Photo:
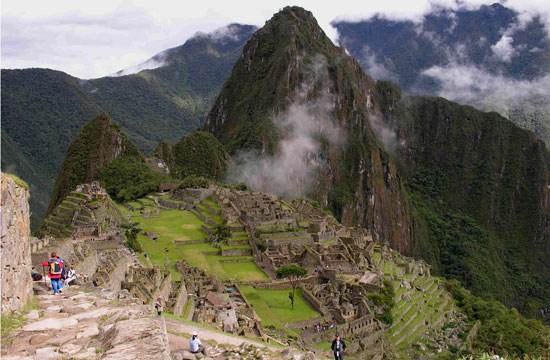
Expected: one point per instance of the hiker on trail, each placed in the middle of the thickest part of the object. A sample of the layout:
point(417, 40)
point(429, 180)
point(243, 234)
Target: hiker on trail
point(158, 305)
point(338, 347)
point(71, 275)
point(63, 274)
point(55, 268)
point(195, 345)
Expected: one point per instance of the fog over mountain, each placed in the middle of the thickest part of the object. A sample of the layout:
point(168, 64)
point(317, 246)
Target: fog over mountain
point(492, 57)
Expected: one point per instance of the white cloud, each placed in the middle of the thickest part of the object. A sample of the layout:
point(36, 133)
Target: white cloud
point(377, 70)
point(470, 84)
point(503, 49)
point(92, 39)
point(156, 61)
point(290, 171)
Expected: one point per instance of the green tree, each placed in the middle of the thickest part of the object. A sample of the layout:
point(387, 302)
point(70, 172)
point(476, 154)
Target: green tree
point(132, 230)
point(293, 273)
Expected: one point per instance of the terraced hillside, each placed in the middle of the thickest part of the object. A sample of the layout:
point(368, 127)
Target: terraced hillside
point(77, 210)
point(190, 234)
point(421, 302)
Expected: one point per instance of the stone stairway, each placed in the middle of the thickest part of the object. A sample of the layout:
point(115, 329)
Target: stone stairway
point(88, 323)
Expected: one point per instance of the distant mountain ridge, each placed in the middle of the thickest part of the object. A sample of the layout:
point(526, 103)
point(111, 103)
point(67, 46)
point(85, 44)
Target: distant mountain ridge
point(43, 109)
point(492, 58)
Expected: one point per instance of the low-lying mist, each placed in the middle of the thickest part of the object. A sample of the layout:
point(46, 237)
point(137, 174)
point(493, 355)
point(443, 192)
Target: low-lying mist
point(304, 125)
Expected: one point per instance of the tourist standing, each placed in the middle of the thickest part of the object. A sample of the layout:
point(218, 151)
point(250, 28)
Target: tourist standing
point(338, 347)
point(55, 269)
point(158, 305)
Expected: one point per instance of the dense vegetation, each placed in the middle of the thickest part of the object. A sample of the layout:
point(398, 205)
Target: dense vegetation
point(127, 179)
point(42, 109)
point(476, 182)
point(502, 330)
point(199, 154)
point(386, 300)
point(97, 144)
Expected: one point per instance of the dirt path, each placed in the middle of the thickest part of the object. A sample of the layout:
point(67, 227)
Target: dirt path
point(180, 342)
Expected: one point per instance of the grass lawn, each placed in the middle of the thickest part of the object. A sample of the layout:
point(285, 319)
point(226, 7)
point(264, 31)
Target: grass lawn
point(273, 306)
point(326, 346)
point(212, 204)
point(177, 225)
point(143, 261)
point(245, 271)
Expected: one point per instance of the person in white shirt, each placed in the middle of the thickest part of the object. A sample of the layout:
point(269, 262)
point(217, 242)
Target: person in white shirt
point(71, 275)
point(195, 345)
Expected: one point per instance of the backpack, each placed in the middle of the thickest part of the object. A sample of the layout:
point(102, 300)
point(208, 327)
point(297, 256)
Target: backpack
point(55, 268)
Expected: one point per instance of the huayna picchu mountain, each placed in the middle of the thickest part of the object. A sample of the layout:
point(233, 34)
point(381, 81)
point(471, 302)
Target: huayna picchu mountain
point(291, 71)
point(43, 109)
point(476, 204)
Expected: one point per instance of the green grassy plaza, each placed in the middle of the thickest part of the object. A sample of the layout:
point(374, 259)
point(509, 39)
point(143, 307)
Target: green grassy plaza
point(182, 226)
point(273, 306)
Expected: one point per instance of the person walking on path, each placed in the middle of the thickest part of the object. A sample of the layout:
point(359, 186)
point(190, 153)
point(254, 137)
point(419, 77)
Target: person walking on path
point(55, 269)
point(338, 347)
point(195, 345)
point(158, 305)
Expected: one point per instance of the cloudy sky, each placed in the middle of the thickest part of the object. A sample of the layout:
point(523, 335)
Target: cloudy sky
point(91, 39)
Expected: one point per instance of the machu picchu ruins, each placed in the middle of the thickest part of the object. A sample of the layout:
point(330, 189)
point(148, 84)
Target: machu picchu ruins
point(249, 235)
point(254, 194)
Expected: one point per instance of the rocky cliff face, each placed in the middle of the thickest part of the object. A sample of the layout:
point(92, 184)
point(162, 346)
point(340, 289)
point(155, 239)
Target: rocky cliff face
point(16, 249)
point(479, 188)
point(304, 109)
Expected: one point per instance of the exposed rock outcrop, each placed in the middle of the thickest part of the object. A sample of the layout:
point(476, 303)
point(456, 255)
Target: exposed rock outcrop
point(89, 323)
point(16, 248)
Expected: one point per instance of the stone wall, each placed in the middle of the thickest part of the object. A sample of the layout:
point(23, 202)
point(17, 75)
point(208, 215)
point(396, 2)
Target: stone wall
point(88, 266)
point(63, 249)
point(313, 301)
point(181, 300)
point(117, 276)
point(105, 244)
point(16, 247)
point(236, 252)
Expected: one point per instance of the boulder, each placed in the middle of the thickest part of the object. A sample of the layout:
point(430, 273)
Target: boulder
point(32, 315)
point(50, 324)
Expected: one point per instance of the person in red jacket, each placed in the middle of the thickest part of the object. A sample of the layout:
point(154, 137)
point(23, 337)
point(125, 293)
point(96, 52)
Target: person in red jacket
point(55, 269)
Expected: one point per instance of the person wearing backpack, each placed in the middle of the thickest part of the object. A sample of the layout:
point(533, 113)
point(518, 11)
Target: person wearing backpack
point(55, 268)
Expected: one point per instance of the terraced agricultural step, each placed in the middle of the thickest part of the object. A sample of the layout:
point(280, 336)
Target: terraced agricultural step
point(235, 242)
point(79, 195)
point(402, 335)
point(426, 283)
point(55, 225)
point(444, 304)
point(239, 234)
point(236, 228)
point(70, 203)
point(56, 219)
point(79, 222)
